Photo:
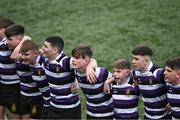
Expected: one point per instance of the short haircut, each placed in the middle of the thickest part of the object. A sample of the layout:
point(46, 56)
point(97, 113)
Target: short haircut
point(14, 30)
point(122, 64)
point(82, 51)
point(142, 50)
point(29, 45)
point(5, 22)
point(173, 63)
point(56, 41)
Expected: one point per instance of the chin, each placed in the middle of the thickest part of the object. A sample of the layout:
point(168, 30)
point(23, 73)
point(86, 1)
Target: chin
point(167, 81)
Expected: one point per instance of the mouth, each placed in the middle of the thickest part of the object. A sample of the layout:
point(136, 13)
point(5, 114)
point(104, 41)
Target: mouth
point(166, 78)
point(74, 65)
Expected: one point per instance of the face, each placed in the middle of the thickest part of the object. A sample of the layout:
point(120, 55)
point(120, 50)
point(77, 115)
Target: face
point(49, 51)
point(79, 62)
point(29, 57)
point(120, 75)
point(171, 76)
point(13, 42)
point(139, 62)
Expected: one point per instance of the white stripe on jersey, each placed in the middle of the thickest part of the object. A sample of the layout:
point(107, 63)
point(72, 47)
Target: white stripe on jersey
point(126, 110)
point(124, 97)
point(57, 75)
point(100, 104)
point(30, 94)
point(38, 78)
point(177, 109)
point(125, 85)
point(46, 98)
point(24, 73)
point(44, 89)
point(100, 114)
point(12, 82)
point(95, 96)
point(9, 77)
point(150, 87)
point(155, 99)
point(80, 74)
point(155, 116)
point(159, 109)
point(29, 84)
point(90, 86)
point(5, 53)
point(65, 106)
point(173, 118)
point(58, 87)
point(173, 96)
point(63, 96)
point(7, 66)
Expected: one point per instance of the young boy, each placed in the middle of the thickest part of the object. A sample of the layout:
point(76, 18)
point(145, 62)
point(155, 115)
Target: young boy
point(31, 99)
point(99, 105)
point(151, 83)
point(125, 95)
point(172, 78)
point(30, 55)
point(10, 84)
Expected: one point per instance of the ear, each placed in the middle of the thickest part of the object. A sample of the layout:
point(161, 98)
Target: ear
point(146, 58)
point(18, 37)
point(128, 72)
point(87, 59)
point(178, 74)
point(56, 50)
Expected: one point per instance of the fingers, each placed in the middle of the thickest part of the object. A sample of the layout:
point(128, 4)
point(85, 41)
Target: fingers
point(74, 88)
point(92, 78)
point(106, 89)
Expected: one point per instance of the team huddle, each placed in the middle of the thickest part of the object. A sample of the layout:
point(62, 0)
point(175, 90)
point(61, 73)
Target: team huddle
point(43, 83)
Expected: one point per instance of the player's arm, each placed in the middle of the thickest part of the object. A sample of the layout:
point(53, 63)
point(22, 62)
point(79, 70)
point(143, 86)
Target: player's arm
point(74, 87)
point(91, 77)
point(107, 83)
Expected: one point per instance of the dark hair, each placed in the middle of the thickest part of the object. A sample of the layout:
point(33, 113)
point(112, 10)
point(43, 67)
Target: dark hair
point(56, 41)
point(122, 64)
point(142, 50)
point(5, 22)
point(14, 30)
point(29, 45)
point(82, 51)
point(173, 63)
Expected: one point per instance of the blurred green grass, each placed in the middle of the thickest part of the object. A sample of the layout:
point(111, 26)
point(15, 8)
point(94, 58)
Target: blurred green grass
point(111, 27)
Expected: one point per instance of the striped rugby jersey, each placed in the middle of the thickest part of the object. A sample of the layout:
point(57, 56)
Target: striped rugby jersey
point(7, 66)
point(27, 84)
point(174, 100)
point(60, 77)
point(125, 100)
point(38, 75)
point(98, 103)
point(153, 91)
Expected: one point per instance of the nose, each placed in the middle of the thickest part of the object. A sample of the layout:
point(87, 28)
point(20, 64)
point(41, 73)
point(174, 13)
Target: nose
point(114, 74)
point(165, 72)
point(73, 59)
point(133, 61)
point(22, 56)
